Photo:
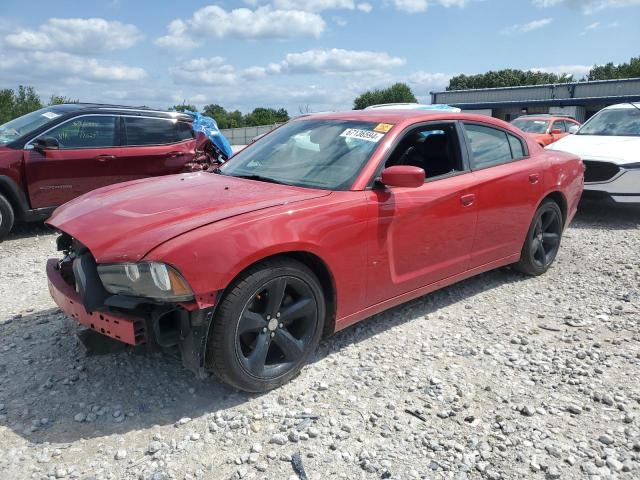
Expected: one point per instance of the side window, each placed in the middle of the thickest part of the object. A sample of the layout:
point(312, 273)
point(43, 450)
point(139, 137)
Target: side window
point(434, 148)
point(559, 125)
point(517, 150)
point(95, 131)
point(151, 131)
point(184, 131)
point(572, 127)
point(489, 146)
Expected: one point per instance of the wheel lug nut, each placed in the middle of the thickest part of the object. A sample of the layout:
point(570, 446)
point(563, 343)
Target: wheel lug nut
point(273, 334)
point(264, 330)
point(268, 317)
point(281, 325)
point(278, 315)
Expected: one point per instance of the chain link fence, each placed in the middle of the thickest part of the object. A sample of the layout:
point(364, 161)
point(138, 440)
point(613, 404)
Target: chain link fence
point(244, 135)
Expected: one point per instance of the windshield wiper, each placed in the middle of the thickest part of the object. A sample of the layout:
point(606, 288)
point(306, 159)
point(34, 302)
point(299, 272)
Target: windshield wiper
point(260, 178)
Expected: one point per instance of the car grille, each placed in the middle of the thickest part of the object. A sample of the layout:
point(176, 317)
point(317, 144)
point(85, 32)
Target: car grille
point(599, 171)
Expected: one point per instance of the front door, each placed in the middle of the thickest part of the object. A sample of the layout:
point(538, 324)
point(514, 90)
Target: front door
point(84, 160)
point(419, 236)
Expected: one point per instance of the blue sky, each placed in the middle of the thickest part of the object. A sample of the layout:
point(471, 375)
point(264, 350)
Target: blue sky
point(316, 54)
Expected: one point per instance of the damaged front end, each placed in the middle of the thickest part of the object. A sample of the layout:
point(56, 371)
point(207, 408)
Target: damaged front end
point(145, 304)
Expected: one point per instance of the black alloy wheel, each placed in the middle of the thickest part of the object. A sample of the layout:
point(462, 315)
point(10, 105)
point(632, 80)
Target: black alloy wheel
point(543, 240)
point(267, 325)
point(276, 326)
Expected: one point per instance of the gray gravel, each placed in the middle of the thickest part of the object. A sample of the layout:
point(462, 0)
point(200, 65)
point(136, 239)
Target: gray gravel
point(498, 377)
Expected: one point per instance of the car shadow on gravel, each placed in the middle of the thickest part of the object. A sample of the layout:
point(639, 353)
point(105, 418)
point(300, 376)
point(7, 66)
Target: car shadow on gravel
point(608, 215)
point(25, 230)
point(53, 391)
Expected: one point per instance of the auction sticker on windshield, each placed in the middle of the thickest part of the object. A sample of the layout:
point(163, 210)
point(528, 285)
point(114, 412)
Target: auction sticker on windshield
point(367, 135)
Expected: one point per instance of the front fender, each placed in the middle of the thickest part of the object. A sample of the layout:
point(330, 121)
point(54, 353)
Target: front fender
point(212, 256)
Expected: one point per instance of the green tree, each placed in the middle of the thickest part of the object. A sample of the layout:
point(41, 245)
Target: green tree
point(265, 116)
point(60, 99)
point(506, 78)
point(396, 93)
point(17, 103)
point(610, 71)
point(184, 107)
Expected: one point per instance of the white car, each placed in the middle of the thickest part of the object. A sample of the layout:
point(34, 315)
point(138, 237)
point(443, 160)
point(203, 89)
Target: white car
point(609, 144)
point(413, 106)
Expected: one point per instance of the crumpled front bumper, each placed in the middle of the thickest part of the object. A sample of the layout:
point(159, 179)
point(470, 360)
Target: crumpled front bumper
point(130, 330)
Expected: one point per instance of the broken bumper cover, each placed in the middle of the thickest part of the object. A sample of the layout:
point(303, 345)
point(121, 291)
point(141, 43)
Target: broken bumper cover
point(129, 330)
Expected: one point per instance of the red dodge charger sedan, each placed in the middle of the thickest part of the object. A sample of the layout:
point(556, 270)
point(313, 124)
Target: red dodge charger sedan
point(323, 222)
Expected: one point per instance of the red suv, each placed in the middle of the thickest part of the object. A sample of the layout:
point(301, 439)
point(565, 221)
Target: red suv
point(57, 153)
point(546, 129)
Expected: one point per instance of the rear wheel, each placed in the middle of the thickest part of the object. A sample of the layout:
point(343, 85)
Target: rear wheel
point(543, 240)
point(267, 325)
point(6, 217)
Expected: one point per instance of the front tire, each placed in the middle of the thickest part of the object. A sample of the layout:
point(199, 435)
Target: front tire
point(267, 325)
point(543, 240)
point(6, 217)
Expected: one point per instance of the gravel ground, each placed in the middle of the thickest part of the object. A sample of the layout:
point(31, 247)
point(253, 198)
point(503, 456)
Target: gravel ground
point(505, 377)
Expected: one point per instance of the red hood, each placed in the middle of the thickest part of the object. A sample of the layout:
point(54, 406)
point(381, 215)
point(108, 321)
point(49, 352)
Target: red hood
point(124, 222)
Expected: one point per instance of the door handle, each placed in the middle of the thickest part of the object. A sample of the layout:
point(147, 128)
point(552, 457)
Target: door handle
point(104, 158)
point(468, 200)
point(534, 178)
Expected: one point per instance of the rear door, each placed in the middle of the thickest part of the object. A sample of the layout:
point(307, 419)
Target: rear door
point(154, 146)
point(84, 161)
point(508, 181)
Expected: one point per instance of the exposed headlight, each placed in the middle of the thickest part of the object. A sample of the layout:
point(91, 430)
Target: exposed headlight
point(146, 279)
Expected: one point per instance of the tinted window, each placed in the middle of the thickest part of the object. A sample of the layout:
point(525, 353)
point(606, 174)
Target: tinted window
point(488, 145)
point(434, 148)
point(154, 131)
point(517, 150)
point(86, 132)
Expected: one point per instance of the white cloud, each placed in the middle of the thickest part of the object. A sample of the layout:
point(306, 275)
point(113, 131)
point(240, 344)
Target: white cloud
point(578, 71)
point(66, 67)
point(411, 6)
point(314, 5)
point(337, 60)
point(587, 6)
point(527, 27)
point(416, 6)
point(204, 71)
point(264, 22)
point(365, 7)
point(426, 80)
point(76, 35)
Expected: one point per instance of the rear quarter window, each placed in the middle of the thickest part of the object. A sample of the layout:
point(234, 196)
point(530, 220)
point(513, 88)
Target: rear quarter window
point(489, 146)
point(154, 131)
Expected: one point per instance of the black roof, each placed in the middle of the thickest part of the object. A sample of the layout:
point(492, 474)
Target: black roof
point(111, 108)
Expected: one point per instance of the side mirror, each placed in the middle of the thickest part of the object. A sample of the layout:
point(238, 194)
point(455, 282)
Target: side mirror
point(402, 176)
point(45, 143)
point(556, 131)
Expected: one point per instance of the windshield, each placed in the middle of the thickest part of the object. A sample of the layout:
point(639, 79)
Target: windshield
point(531, 126)
point(326, 154)
point(624, 122)
point(26, 124)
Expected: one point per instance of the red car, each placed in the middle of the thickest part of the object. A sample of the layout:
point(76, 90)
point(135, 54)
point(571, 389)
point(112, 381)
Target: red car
point(55, 154)
point(546, 129)
point(321, 223)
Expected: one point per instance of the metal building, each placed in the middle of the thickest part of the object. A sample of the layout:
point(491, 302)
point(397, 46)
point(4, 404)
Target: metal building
point(579, 99)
